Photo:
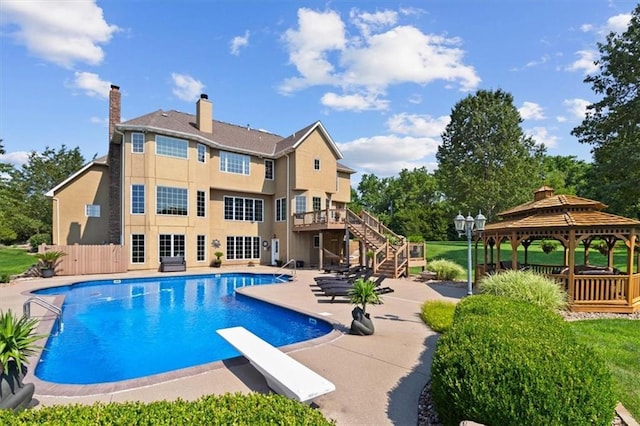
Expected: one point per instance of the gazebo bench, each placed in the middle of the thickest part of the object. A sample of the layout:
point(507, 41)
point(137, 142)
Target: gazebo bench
point(172, 264)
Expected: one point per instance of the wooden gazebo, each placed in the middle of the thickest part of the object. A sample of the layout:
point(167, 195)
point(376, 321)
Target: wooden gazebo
point(570, 220)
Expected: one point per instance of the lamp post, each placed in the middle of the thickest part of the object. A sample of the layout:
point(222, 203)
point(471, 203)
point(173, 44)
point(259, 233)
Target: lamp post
point(465, 225)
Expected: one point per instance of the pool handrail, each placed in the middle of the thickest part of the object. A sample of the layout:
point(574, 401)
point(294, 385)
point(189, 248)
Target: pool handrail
point(26, 309)
point(282, 274)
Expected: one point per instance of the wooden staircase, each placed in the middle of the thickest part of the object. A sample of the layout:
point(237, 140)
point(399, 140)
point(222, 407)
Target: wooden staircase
point(391, 251)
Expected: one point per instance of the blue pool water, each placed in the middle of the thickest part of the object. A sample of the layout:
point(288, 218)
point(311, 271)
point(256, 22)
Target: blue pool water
point(130, 328)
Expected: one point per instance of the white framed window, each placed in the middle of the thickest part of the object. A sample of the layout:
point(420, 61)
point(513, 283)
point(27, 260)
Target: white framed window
point(92, 210)
point(316, 164)
point(171, 245)
point(201, 248)
point(137, 199)
point(201, 204)
point(281, 209)
point(171, 201)
point(202, 153)
point(172, 147)
point(137, 248)
point(301, 203)
point(137, 143)
point(316, 203)
point(268, 169)
point(243, 247)
point(231, 162)
point(243, 209)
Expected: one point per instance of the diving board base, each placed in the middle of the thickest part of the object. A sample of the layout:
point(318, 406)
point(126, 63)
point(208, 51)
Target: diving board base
point(283, 374)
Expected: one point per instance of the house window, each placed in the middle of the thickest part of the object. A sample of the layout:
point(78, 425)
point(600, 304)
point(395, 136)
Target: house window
point(200, 204)
point(172, 147)
point(268, 169)
point(137, 199)
point(243, 209)
point(202, 153)
point(243, 247)
point(317, 202)
point(171, 245)
point(137, 143)
point(281, 209)
point(92, 210)
point(171, 201)
point(316, 241)
point(137, 248)
point(234, 163)
point(301, 203)
point(316, 164)
point(201, 248)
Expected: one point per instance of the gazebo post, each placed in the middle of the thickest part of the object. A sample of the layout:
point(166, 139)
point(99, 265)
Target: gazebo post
point(571, 263)
point(514, 251)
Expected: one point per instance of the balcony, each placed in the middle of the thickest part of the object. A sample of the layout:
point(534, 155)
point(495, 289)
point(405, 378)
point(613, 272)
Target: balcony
point(320, 220)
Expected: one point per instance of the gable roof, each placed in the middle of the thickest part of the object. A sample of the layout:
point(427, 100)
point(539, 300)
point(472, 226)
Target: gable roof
point(225, 136)
point(100, 161)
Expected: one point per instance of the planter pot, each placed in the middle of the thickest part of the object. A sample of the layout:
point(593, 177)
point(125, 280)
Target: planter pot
point(47, 272)
point(361, 324)
point(216, 263)
point(14, 394)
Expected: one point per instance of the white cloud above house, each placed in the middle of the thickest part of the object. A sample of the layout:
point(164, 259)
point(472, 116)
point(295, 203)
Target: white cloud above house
point(16, 158)
point(577, 108)
point(366, 54)
point(90, 84)
point(186, 87)
point(62, 32)
point(541, 135)
point(239, 42)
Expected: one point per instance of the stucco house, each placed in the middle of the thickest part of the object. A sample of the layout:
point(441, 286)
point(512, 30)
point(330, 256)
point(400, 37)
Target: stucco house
point(175, 183)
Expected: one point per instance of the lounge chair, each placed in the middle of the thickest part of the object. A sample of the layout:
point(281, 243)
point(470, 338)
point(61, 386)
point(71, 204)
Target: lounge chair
point(347, 274)
point(345, 290)
point(367, 274)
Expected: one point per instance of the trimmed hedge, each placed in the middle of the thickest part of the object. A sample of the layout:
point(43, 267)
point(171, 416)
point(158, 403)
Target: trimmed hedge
point(227, 409)
point(506, 362)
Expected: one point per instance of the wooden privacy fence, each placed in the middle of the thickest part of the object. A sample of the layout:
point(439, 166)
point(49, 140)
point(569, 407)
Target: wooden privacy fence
point(89, 259)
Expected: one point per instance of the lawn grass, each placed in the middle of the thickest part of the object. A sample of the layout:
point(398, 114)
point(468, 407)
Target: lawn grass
point(456, 251)
point(618, 341)
point(14, 261)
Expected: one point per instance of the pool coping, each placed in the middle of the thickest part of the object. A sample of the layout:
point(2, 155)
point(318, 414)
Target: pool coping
point(51, 389)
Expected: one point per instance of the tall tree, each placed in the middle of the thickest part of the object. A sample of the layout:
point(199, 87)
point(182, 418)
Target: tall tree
point(485, 161)
point(567, 175)
point(612, 125)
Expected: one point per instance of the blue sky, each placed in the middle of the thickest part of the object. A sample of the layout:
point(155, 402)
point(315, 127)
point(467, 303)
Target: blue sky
point(382, 76)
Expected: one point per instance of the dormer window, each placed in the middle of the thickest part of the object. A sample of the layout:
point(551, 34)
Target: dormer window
point(316, 164)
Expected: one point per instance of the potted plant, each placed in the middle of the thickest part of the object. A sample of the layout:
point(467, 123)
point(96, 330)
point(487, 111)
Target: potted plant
point(547, 246)
point(48, 262)
point(17, 344)
point(370, 254)
point(362, 293)
point(218, 260)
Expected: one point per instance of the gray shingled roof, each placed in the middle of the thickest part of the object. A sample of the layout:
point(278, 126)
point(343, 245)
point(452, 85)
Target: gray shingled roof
point(225, 135)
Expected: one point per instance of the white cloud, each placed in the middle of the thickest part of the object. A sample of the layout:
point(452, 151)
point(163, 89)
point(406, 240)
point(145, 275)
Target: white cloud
point(617, 23)
point(561, 119)
point(239, 42)
point(62, 32)
point(585, 62)
point(186, 87)
point(354, 102)
point(387, 155)
point(418, 125)
point(375, 55)
point(101, 121)
point(577, 107)
point(531, 111)
point(542, 136)
point(91, 84)
point(17, 158)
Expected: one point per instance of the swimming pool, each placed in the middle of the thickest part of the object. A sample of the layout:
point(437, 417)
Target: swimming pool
point(123, 329)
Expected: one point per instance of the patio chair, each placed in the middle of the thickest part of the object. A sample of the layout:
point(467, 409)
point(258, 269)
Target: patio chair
point(345, 290)
point(366, 274)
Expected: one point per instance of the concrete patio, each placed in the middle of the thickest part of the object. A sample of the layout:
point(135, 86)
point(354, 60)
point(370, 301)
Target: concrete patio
point(378, 378)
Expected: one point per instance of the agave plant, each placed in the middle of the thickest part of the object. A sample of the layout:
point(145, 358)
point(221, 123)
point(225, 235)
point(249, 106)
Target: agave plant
point(48, 259)
point(17, 339)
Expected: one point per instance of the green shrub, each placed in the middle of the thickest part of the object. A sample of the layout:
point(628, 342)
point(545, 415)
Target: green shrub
point(507, 362)
point(39, 239)
point(438, 314)
point(526, 286)
point(225, 409)
point(446, 270)
point(5, 278)
point(415, 238)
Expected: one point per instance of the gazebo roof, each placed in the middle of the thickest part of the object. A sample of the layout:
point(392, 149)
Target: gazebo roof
point(559, 211)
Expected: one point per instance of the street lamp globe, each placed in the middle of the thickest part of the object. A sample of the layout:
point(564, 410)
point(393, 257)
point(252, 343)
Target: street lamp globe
point(465, 226)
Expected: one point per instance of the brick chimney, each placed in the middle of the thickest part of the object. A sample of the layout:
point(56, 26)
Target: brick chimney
point(115, 107)
point(204, 114)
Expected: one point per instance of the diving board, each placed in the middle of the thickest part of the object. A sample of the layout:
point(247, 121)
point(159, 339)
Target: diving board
point(283, 374)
